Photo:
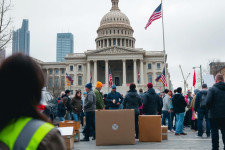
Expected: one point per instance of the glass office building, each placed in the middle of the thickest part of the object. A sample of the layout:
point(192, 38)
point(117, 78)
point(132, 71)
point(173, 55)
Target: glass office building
point(21, 39)
point(64, 46)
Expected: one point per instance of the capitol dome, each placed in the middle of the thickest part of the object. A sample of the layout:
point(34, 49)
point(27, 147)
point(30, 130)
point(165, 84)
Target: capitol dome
point(115, 29)
point(115, 16)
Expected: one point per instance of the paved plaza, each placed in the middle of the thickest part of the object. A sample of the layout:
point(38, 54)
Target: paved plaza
point(189, 142)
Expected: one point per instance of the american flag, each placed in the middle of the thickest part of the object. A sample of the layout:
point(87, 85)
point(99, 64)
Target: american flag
point(162, 78)
point(156, 15)
point(69, 78)
point(110, 79)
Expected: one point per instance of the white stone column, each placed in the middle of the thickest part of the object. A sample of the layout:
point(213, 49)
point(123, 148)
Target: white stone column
point(88, 71)
point(75, 75)
point(154, 76)
point(53, 77)
point(120, 42)
point(59, 82)
point(124, 73)
point(106, 73)
point(112, 42)
point(142, 72)
point(47, 78)
point(107, 42)
point(95, 72)
point(135, 71)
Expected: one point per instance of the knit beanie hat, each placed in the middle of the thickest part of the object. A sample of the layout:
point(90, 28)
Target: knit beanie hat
point(150, 85)
point(98, 84)
point(89, 85)
point(114, 86)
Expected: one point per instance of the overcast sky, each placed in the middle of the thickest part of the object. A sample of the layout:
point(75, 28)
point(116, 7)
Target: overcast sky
point(194, 29)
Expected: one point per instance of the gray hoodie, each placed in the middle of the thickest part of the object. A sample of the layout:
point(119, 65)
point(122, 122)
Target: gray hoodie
point(90, 102)
point(166, 103)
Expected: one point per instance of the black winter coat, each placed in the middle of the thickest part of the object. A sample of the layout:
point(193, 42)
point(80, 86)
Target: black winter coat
point(132, 101)
point(215, 101)
point(61, 111)
point(68, 103)
point(198, 101)
point(179, 103)
point(151, 103)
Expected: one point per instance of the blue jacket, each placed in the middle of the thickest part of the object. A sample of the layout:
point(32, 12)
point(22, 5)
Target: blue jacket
point(117, 96)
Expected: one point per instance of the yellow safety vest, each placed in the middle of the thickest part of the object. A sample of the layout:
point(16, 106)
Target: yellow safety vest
point(35, 130)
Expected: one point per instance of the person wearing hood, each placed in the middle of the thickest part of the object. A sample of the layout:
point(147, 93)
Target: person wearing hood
point(215, 102)
point(194, 117)
point(179, 105)
point(151, 102)
point(133, 101)
point(200, 107)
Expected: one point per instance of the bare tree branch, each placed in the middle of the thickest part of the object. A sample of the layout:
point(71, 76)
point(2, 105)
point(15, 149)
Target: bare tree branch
point(5, 24)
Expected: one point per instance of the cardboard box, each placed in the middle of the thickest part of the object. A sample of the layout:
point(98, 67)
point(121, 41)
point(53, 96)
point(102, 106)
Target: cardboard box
point(68, 136)
point(115, 127)
point(150, 128)
point(70, 123)
point(164, 133)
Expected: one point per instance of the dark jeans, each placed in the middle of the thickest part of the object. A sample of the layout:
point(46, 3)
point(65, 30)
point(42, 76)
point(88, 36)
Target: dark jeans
point(82, 118)
point(173, 117)
point(90, 124)
point(216, 124)
point(203, 113)
point(167, 115)
point(136, 126)
point(187, 118)
point(194, 124)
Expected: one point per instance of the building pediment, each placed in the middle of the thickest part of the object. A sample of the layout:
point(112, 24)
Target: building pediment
point(115, 51)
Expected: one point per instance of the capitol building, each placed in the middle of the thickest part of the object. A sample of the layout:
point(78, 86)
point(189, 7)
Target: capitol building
point(115, 52)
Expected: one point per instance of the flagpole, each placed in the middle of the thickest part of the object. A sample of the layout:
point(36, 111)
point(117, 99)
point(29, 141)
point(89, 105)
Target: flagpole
point(164, 49)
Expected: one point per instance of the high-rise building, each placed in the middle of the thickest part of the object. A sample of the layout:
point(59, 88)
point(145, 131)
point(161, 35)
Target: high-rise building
point(64, 46)
point(21, 39)
point(2, 55)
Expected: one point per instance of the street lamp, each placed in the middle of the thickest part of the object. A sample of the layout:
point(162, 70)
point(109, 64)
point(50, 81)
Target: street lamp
point(200, 72)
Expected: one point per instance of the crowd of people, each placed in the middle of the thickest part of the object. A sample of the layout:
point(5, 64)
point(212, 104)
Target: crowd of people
point(202, 111)
point(199, 111)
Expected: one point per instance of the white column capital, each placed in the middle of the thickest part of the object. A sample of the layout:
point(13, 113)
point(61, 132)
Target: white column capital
point(134, 60)
point(124, 60)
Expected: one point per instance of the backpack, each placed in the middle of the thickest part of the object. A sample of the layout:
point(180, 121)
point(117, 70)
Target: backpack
point(203, 101)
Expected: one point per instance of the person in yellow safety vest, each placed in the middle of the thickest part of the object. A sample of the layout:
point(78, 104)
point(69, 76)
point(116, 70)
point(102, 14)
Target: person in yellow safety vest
point(22, 126)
